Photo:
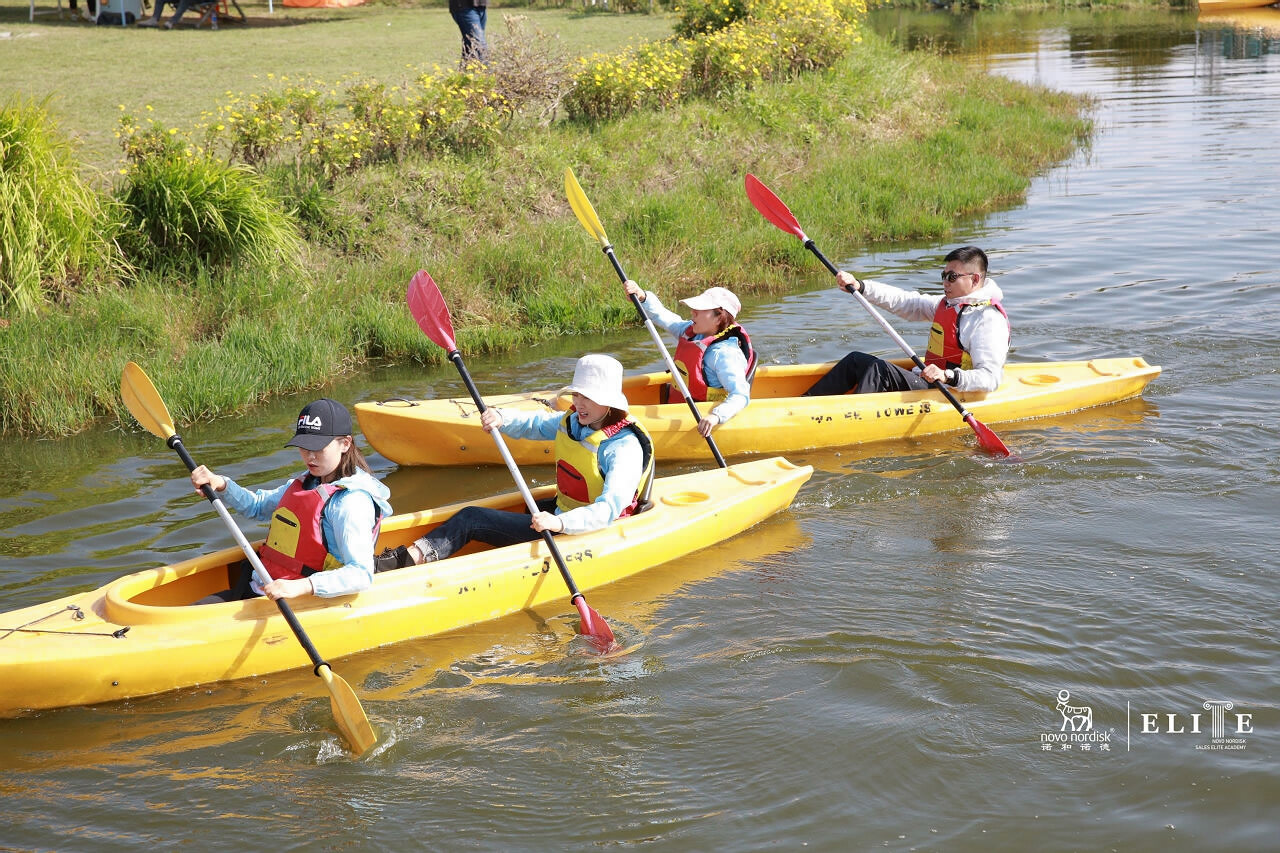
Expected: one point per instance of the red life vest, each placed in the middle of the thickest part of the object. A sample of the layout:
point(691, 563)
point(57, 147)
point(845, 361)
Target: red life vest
point(295, 546)
point(579, 481)
point(945, 349)
point(689, 357)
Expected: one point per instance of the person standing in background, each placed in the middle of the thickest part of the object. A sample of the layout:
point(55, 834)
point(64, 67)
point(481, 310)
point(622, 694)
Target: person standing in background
point(469, 15)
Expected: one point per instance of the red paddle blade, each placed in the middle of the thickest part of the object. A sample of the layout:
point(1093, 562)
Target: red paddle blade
point(772, 208)
point(987, 439)
point(427, 306)
point(593, 626)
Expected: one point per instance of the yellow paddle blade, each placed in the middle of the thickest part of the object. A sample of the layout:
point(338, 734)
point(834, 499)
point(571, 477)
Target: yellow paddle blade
point(144, 402)
point(582, 207)
point(347, 711)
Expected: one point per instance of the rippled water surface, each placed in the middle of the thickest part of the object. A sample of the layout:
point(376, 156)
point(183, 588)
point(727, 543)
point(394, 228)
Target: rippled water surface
point(876, 668)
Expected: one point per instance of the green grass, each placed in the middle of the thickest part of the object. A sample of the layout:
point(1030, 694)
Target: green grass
point(883, 147)
point(48, 232)
point(89, 72)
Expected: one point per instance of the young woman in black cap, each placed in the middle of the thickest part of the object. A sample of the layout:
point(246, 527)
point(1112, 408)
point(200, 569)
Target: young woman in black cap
point(324, 522)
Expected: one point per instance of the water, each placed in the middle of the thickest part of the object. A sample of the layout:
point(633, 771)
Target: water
point(877, 668)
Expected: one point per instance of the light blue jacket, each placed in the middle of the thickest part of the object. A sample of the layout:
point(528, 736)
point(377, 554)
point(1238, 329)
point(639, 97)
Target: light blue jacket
point(347, 524)
point(723, 364)
point(621, 462)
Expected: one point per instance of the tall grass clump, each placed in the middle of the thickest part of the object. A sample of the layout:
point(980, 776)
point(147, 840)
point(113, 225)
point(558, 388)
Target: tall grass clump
point(185, 210)
point(54, 229)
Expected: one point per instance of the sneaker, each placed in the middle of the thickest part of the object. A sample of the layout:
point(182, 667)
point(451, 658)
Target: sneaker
point(392, 558)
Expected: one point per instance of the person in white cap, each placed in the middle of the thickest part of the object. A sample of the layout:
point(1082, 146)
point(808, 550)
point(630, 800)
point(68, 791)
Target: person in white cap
point(604, 470)
point(713, 352)
point(324, 522)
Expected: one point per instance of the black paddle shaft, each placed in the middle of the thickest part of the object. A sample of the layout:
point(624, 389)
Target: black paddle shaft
point(547, 536)
point(946, 392)
point(285, 610)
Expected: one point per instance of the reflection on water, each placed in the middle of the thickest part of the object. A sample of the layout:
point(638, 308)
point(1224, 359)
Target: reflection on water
point(875, 667)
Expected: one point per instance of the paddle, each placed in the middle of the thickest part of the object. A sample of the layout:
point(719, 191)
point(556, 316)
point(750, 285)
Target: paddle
point(587, 216)
point(426, 304)
point(780, 215)
point(144, 402)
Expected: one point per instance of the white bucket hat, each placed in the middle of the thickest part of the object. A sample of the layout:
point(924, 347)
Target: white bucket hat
point(599, 379)
point(715, 297)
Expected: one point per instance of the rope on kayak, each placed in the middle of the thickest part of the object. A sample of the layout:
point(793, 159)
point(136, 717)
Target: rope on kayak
point(76, 613)
point(466, 408)
point(118, 633)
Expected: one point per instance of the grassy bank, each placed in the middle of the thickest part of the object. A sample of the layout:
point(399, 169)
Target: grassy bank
point(882, 147)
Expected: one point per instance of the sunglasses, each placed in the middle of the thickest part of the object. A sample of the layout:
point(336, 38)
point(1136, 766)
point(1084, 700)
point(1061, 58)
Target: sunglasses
point(949, 276)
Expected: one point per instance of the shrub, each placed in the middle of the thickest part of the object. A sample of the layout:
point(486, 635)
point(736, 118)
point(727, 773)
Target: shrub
point(651, 76)
point(731, 45)
point(54, 229)
point(733, 58)
point(461, 111)
point(185, 209)
point(698, 17)
point(530, 68)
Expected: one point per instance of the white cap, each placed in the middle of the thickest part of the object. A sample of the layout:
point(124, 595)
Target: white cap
point(715, 297)
point(599, 379)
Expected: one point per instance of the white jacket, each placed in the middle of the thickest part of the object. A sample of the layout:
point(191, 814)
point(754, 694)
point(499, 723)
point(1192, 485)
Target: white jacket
point(983, 330)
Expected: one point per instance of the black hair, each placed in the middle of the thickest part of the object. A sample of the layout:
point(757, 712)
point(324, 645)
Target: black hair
point(968, 255)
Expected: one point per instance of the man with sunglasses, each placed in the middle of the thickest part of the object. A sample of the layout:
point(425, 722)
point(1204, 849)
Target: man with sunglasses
point(968, 342)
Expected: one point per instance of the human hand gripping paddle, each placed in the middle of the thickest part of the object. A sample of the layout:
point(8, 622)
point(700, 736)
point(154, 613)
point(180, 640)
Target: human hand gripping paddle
point(772, 208)
point(426, 304)
point(587, 216)
point(146, 405)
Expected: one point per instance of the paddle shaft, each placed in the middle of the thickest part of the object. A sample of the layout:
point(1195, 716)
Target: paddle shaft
point(666, 356)
point(892, 332)
point(574, 593)
point(259, 570)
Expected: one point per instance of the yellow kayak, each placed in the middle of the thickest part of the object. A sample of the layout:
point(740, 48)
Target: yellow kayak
point(447, 431)
point(1232, 5)
point(1266, 20)
point(139, 635)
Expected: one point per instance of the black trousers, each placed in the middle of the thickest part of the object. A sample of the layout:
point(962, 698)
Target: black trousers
point(865, 374)
point(238, 574)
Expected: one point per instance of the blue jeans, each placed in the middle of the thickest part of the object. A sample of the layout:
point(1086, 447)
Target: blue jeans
point(470, 23)
point(496, 527)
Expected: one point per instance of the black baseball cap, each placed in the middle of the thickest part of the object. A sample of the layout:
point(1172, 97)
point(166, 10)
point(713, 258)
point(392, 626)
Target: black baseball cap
point(320, 423)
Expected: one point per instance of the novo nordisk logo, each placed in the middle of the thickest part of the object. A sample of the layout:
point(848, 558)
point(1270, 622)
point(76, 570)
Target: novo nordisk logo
point(1076, 731)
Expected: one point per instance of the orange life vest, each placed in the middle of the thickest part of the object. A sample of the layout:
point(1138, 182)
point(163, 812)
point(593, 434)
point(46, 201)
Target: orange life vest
point(945, 349)
point(689, 357)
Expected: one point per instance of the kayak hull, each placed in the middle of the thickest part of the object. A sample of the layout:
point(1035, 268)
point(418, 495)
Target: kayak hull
point(447, 432)
point(139, 635)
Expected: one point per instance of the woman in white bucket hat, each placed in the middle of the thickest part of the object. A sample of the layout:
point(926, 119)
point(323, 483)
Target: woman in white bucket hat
point(604, 469)
point(713, 352)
